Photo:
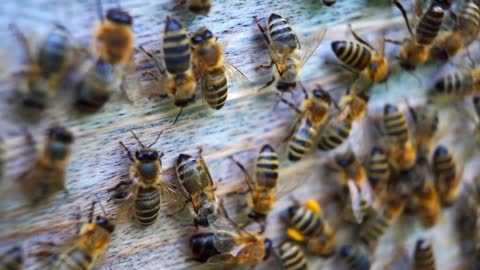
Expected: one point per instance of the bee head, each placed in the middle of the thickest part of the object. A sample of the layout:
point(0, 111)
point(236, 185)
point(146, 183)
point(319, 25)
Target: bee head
point(345, 159)
point(119, 16)
point(60, 134)
point(201, 35)
point(146, 155)
point(105, 223)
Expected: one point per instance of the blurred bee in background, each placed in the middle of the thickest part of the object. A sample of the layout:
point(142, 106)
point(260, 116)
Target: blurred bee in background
point(447, 178)
point(292, 256)
point(329, 3)
point(445, 4)
point(458, 84)
point(47, 176)
point(354, 258)
point(46, 69)
point(416, 50)
point(197, 186)
point(361, 58)
point(87, 249)
point(467, 218)
point(312, 115)
point(286, 52)
point(378, 169)
point(12, 259)
point(145, 183)
point(212, 68)
point(465, 31)
point(307, 225)
point(423, 256)
point(336, 131)
point(229, 244)
point(199, 6)
point(429, 204)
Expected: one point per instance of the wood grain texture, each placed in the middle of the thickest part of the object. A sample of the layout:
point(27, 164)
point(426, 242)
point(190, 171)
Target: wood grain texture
point(247, 121)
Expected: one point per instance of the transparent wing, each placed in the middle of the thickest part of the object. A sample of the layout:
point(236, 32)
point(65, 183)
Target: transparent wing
point(236, 77)
point(288, 182)
point(278, 54)
point(311, 44)
point(355, 200)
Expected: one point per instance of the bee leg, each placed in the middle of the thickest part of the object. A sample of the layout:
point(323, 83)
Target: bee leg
point(154, 59)
point(262, 30)
point(393, 41)
point(267, 84)
point(23, 40)
point(290, 104)
point(264, 66)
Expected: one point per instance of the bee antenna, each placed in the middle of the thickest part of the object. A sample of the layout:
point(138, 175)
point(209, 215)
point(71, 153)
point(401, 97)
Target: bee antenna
point(156, 140)
point(101, 206)
point(100, 10)
point(404, 14)
point(178, 115)
point(92, 211)
point(136, 138)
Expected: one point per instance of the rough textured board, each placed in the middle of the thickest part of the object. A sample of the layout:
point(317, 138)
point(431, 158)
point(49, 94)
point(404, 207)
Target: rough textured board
point(240, 128)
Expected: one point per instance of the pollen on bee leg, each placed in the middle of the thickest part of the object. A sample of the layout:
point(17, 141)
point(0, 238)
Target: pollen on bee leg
point(294, 234)
point(313, 206)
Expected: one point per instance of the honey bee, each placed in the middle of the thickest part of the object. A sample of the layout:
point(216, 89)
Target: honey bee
point(287, 54)
point(416, 50)
point(362, 58)
point(424, 258)
point(199, 6)
point(307, 225)
point(329, 3)
point(313, 113)
point(336, 131)
point(447, 179)
point(47, 176)
point(350, 168)
point(88, 247)
point(359, 206)
point(356, 102)
point(402, 152)
point(46, 69)
point(458, 84)
point(378, 169)
point(197, 186)
point(354, 258)
point(229, 244)
point(429, 204)
point(292, 256)
point(465, 31)
point(113, 37)
point(145, 183)
point(12, 259)
point(378, 225)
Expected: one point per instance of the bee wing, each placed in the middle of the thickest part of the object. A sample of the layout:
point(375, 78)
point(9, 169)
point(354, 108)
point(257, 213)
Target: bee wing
point(222, 259)
point(236, 77)
point(278, 54)
point(288, 184)
point(355, 200)
point(30, 181)
point(311, 45)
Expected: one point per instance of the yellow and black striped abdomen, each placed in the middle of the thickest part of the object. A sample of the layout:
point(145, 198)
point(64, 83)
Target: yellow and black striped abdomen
point(302, 140)
point(353, 54)
point(424, 258)
point(443, 163)
point(455, 84)
point(74, 259)
point(395, 124)
point(11, 259)
point(378, 169)
point(305, 221)
point(176, 47)
point(292, 256)
point(429, 25)
point(469, 18)
point(266, 170)
point(375, 228)
point(335, 134)
point(216, 90)
point(147, 205)
point(280, 32)
point(354, 259)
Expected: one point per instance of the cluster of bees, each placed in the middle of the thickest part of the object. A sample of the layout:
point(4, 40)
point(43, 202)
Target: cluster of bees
point(401, 174)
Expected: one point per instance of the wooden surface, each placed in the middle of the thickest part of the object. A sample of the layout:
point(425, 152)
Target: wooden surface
point(247, 121)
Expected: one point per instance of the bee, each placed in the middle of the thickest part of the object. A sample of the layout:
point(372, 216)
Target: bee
point(447, 179)
point(47, 176)
point(114, 37)
point(336, 131)
point(350, 168)
point(88, 246)
point(329, 3)
point(465, 31)
point(313, 113)
point(423, 256)
point(403, 153)
point(416, 50)
point(287, 54)
point(307, 225)
point(356, 102)
point(355, 259)
point(429, 204)
point(292, 256)
point(45, 70)
point(197, 186)
point(362, 58)
point(199, 6)
point(229, 244)
point(359, 206)
point(458, 84)
point(378, 169)
point(377, 226)
point(12, 259)
point(145, 183)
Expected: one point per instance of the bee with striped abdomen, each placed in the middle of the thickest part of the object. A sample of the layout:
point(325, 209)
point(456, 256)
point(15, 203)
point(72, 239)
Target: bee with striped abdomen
point(362, 58)
point(378, 169)
point(313, 113)
point(46, 69)
point(336, 131)
point(292, 256)
point(307, 225)
point(146, 183)
point(447, 178)
point(12, 259)
point(458, 84)
point(424, 258)
point(197, 186)
point(356, 102)
point(47, 176)
point(354, 258)
point(287, 54)
point(416, 49)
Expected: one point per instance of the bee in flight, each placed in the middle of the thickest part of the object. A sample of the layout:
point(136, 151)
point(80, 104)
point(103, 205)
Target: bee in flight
point(87, 249)
point(229, 244)
point(287, 54)
point(12, 259)
point(145, 184)
point(197, 186)
point(46, 69)
point(47, 176)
